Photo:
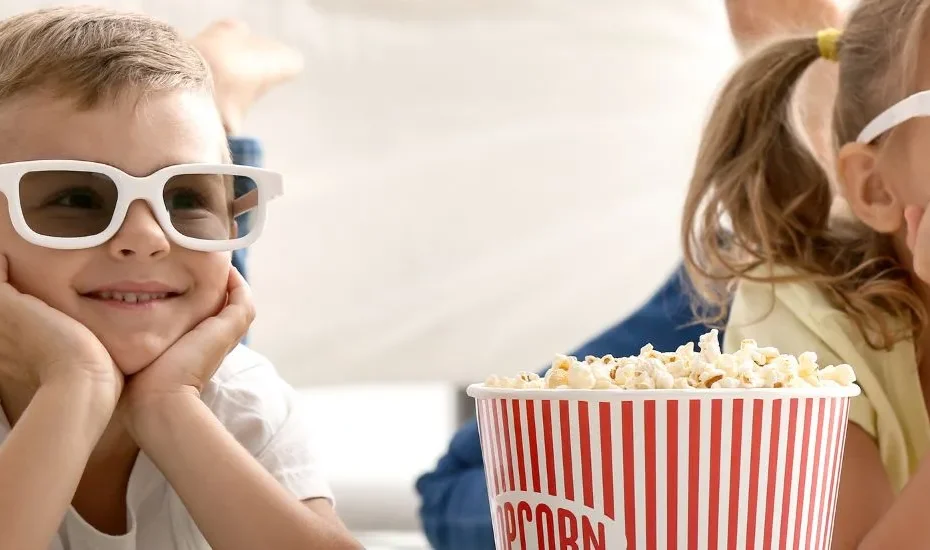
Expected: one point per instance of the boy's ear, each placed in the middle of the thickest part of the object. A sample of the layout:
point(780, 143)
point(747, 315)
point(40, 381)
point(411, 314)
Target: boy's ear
point(867, 190)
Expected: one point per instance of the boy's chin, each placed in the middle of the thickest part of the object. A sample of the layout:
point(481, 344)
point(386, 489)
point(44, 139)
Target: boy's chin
point(135, 354)
point(132, 365)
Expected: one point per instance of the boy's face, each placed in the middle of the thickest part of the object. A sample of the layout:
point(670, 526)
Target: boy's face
point(139, 138)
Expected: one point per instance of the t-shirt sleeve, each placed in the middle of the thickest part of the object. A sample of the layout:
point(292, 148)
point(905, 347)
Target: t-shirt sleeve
point(264, 413)
point(759, 314)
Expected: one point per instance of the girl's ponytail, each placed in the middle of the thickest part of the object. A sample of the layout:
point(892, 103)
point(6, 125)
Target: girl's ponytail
point(759, 197)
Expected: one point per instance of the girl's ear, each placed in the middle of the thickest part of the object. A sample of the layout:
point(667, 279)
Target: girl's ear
point(867, 190)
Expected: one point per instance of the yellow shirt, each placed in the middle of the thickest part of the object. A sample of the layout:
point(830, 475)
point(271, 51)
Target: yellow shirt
point(796, 317)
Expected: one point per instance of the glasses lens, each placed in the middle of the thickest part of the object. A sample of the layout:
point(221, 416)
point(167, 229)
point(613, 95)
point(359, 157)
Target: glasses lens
point(211, 207)
point(67, 203)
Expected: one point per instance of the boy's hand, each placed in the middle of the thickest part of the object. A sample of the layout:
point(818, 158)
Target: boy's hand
point(39, 344)
point(185, 367)
point(244, 67)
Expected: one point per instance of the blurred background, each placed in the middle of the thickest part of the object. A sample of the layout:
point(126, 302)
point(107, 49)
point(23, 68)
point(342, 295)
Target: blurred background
point(471, 187)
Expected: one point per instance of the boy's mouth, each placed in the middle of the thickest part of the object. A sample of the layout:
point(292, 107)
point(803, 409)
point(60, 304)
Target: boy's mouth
point(133, 293)
point(131, 297)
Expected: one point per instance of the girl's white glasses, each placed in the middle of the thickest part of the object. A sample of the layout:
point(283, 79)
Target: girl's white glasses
point(70, 204)
point(916, 105)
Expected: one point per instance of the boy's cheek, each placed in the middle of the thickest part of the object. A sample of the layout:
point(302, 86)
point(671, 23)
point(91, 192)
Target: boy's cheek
point(7, 233)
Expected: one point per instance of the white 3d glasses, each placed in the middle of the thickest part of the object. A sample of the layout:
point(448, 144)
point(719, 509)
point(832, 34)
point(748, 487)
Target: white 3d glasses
point(917, 105)
point(69, 204)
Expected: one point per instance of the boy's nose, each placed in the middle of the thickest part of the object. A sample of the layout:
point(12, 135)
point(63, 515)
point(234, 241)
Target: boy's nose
point(140, 237)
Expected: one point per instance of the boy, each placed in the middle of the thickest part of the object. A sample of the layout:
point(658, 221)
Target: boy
point(119, 367)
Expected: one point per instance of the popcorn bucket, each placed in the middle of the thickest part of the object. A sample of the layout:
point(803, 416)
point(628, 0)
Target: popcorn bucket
point(738, 469)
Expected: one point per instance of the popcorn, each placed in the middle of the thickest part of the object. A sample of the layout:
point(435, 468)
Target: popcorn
point(842, 375)
point(643, 381)
point(771, 353)
point(624, 375)
point(664, 380)
point(562, 362)
point(708, 368)
point(580, 376)
point(807, 364)
point(707, 378)
point(773, 376)
point(709, 344)
point(555, 377)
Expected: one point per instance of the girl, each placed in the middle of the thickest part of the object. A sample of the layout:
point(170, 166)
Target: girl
point(834, 260)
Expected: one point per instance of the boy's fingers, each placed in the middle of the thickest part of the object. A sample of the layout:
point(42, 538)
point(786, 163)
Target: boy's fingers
point(223, 331)
point(4, 269)
point(240, 310)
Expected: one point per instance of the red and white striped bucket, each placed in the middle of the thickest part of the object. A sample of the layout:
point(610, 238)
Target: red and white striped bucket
point(655, 469)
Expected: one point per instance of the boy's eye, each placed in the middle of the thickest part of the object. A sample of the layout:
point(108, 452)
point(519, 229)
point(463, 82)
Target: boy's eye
point(84, 199)
point(183, 200)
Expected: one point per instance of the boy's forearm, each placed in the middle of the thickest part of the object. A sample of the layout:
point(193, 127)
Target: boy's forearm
point(234, 501)
point(43, 459)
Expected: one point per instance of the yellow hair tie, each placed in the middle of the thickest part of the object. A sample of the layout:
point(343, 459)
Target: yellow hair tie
point(827, 40)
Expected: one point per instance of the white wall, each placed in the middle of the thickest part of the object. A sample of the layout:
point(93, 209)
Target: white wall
point(472, 185)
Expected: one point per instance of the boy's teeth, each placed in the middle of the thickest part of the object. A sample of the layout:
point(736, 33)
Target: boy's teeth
point(132, 297)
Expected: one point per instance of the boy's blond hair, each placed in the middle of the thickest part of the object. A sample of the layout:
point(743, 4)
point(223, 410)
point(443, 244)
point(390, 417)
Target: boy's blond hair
point(759, 197)
point(93, 54)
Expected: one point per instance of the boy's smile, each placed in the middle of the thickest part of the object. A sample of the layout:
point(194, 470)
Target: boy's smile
point(132, 294)
point(139, 292)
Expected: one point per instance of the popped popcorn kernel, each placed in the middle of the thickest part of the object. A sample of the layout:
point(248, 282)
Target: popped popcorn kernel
point(664, 380)
point(841, 374)
point(562, 362)
point(528, 376)
point(649, 352)
point(748, 345)
point(556, 377)
point(709, 345)
point(769, 353)
point(686, 350)
point(580, 377)
point(807, 364)
point(710, 376)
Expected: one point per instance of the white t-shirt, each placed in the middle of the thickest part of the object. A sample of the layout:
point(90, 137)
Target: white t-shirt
point(261, 411)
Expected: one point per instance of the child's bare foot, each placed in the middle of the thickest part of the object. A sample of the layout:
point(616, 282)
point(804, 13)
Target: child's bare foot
point(755, 21)
point(244, 66)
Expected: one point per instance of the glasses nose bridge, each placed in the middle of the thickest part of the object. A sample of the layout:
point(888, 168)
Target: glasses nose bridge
point(140, 187)
point(131, 189)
